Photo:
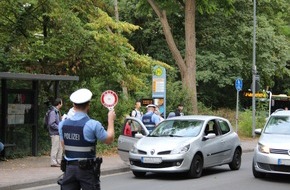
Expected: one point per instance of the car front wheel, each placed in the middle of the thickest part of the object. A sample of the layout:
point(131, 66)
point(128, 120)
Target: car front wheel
point(237, 160)
point(195, 167)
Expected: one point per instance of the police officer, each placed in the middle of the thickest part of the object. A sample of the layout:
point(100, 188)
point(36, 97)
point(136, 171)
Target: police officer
point(79, 135)
point(150, 119)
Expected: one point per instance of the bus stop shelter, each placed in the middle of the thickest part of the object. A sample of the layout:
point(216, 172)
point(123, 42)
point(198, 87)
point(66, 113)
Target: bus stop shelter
point(20, 108)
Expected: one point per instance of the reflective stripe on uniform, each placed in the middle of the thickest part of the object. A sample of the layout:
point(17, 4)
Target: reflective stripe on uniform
point(78, 148)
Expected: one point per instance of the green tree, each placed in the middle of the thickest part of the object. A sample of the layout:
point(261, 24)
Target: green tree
point(185, 57)
point(70, 37)
point(225, 50)
point(224, 44)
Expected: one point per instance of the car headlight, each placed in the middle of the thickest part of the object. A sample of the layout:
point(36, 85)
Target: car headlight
point(181, 150)
point(264, 149)
point(134, 150)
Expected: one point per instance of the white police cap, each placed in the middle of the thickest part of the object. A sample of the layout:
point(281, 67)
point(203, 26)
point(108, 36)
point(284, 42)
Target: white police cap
point(80, 96)
point(151, 105)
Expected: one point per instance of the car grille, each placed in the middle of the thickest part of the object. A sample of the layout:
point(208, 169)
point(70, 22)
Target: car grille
point(278, 151)
point(163, 164)
point(164, 152)
point(142, 152)
point(159, 153)
point(276, 168)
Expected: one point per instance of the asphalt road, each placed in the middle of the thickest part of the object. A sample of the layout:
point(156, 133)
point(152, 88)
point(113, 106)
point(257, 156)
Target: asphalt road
point(218, 178)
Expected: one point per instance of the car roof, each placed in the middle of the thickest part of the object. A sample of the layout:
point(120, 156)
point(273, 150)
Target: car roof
point(281, 113)
point(197, 117)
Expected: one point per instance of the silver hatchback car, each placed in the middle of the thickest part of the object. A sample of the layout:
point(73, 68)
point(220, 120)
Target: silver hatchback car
point(272, 153)
point(186, 144)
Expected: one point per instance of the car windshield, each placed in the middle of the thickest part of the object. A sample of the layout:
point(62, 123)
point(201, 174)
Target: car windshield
point(278, 125)
point(178, 128)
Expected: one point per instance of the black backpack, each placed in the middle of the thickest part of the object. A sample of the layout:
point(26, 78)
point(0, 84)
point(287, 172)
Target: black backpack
point(45, 118)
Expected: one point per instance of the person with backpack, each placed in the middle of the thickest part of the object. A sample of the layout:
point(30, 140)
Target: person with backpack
point(150, 119)
point(54, 117)
point(136, 112)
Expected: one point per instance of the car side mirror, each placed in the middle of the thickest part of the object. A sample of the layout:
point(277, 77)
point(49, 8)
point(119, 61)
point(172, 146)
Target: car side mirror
point(209, 136)
point(138, 135)
point(258, 131)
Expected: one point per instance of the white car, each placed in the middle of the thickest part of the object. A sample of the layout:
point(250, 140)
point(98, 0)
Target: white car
point(272, 153)
point(186, 144)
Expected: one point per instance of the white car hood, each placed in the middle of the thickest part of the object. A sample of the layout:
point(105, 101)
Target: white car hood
point(275, 141)
point(163, 143)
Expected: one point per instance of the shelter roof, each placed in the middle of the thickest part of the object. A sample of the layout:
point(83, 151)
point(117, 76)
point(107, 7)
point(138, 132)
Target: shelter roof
point(28, 76)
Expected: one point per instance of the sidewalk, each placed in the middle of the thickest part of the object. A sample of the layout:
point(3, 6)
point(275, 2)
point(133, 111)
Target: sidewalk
point(26, 172)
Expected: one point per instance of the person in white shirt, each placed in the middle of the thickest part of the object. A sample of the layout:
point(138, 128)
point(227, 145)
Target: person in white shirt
point(136, 112)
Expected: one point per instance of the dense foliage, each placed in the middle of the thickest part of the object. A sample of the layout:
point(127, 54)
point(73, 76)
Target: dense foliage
point(224, 45)
point(84, 38)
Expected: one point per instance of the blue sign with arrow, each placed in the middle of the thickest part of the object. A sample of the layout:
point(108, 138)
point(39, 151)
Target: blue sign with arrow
point(239, 84)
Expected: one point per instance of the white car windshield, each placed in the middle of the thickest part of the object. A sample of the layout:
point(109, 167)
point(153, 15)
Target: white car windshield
point(178, 128)
point(278, 125)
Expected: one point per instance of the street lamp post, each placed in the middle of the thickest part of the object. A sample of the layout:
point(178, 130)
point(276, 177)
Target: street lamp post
point(254, 71)
point(270, 101)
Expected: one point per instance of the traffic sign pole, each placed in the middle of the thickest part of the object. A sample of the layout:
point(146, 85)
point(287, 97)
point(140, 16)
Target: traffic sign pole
point(239, 86)
point(237, 111)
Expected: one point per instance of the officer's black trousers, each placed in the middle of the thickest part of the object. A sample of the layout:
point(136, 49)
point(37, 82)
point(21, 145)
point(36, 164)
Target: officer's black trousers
point(75, 178)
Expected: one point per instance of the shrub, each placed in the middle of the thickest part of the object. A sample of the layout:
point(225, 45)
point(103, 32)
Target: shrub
point(246, 122)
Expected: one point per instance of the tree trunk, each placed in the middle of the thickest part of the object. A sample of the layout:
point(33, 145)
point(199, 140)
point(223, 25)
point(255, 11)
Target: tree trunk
point(187, 66)
point(123, 84)
point(190, 52)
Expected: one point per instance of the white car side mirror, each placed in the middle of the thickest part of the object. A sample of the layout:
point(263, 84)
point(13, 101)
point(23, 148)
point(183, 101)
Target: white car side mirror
point(209, 136)
point(258, 131)
point(138, 135)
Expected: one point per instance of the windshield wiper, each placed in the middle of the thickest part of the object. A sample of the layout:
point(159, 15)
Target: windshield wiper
point(153, 136)
point(175, 136)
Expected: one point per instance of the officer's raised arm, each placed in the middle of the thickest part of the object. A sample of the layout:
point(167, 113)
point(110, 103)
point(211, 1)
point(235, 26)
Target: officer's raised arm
point(110, 130)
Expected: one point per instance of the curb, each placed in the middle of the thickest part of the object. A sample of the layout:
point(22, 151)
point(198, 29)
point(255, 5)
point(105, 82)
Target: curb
point(54, 180)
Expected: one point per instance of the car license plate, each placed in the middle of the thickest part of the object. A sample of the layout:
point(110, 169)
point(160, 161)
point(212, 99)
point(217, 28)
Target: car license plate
point(151, 160)
point(284, 162)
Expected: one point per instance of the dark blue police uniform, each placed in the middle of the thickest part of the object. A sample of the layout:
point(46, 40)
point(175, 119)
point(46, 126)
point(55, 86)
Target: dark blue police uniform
point(150, 120)
point(79, 135)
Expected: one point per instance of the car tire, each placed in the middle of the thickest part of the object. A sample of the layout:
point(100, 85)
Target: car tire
point(196, 167)
point(237, 160)
point(256, 173)
point(139, 174)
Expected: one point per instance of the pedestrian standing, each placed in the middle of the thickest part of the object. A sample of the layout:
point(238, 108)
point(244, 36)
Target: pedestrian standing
point(54, 118)
point(136, 111)
point(79, 135)
point(179, 109)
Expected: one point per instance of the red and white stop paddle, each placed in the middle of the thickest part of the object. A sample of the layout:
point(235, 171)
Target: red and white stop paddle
point(109, 99)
